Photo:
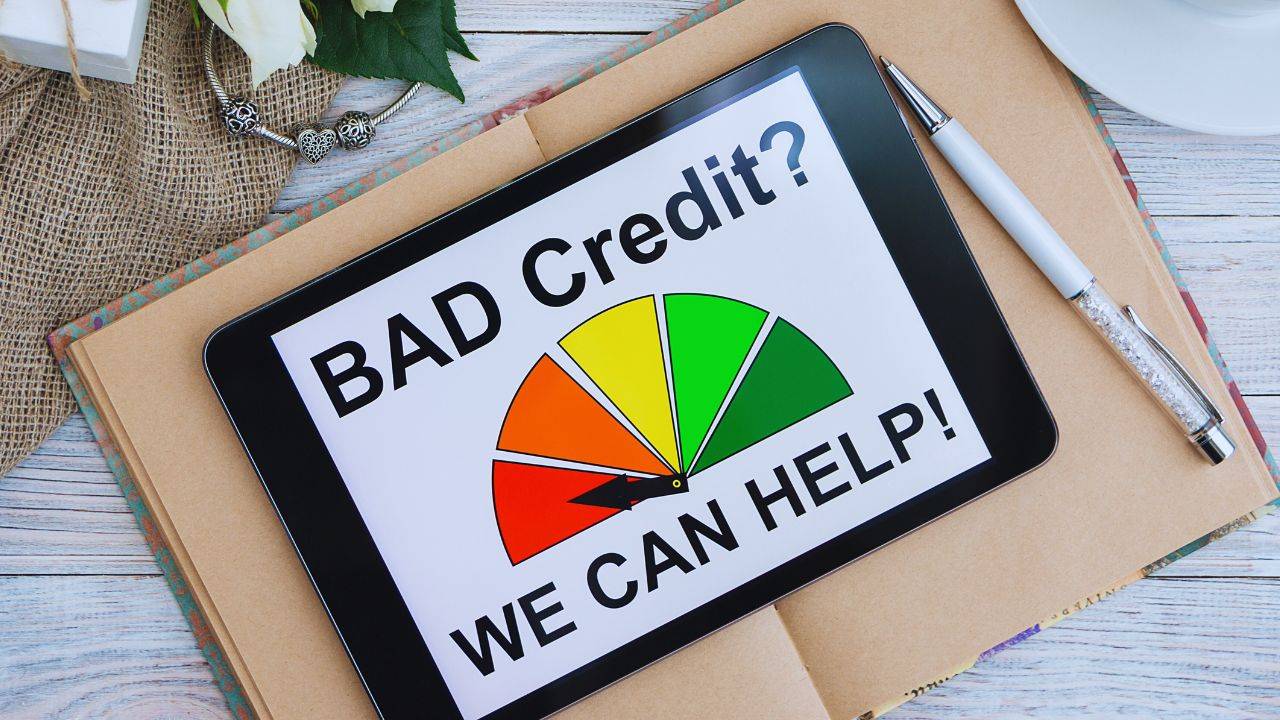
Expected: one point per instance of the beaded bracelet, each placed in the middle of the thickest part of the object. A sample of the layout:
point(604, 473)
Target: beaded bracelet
point(313, 141)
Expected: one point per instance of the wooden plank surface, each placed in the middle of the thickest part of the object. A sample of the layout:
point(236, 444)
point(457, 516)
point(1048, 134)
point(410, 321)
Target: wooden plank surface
point(88, 628)
point(1165, 649)
point(100, 647)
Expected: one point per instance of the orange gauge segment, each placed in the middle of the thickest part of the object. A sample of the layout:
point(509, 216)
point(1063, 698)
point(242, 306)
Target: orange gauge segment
point(552, 416)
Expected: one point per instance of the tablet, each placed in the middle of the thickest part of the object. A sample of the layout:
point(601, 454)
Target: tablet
point(650, 387)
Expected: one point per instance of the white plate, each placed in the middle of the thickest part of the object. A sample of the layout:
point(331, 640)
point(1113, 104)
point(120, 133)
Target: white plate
point(1182, 64)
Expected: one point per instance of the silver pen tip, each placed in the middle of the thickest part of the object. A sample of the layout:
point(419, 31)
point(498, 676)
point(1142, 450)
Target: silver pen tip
point(1215, 443)
point(929, 113)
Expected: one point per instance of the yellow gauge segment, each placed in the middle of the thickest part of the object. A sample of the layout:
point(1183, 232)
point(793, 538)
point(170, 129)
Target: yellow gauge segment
point(620, 349)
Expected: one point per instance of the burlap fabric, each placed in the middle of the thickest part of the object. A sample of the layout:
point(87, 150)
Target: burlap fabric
point(100, 196)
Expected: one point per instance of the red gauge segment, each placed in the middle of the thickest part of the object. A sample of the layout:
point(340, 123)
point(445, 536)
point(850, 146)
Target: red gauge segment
point(535, 505)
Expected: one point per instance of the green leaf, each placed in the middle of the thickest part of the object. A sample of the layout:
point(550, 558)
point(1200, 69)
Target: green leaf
point(453, 39)
point(408, 43)
point(195, 10)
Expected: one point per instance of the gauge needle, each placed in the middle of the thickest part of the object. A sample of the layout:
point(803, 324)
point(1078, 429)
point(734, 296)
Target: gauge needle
point(622, 492)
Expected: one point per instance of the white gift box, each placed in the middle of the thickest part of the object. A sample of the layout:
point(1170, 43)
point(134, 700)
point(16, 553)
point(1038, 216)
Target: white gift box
point(108, 35)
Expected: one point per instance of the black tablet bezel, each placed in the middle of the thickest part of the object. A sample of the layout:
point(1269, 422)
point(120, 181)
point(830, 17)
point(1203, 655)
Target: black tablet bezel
point(907, 207)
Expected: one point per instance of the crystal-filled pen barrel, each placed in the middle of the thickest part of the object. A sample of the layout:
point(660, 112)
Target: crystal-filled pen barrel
point(1158, 371)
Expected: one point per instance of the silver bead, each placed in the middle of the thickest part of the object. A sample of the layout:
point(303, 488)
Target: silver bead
point(314, 141)
point(240, 116)
point(355, 130)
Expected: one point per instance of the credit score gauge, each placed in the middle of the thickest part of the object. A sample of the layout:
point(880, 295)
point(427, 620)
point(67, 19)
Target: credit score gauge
point(687, 380)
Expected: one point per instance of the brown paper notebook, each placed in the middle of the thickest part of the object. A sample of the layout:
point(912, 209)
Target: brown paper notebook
point(1122, 491)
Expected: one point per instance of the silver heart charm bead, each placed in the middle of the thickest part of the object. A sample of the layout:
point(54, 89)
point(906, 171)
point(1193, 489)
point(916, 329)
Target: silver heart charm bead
point(315, 141)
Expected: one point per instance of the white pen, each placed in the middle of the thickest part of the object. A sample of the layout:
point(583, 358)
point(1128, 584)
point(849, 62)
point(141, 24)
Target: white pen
point(1148, 358)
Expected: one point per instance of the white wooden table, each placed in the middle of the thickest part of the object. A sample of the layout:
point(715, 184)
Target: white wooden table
point(88, 628)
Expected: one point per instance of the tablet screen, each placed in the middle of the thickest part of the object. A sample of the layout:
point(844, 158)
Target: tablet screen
point(627, 399)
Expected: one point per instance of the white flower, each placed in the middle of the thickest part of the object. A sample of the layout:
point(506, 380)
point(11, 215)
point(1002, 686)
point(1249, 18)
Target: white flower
point(363, 6)
point(274, 33)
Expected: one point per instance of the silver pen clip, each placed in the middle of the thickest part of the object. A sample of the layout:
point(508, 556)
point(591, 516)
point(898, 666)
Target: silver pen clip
point(1177, 366)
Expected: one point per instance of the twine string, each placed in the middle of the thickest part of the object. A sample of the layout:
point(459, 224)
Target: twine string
point(81, 88)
